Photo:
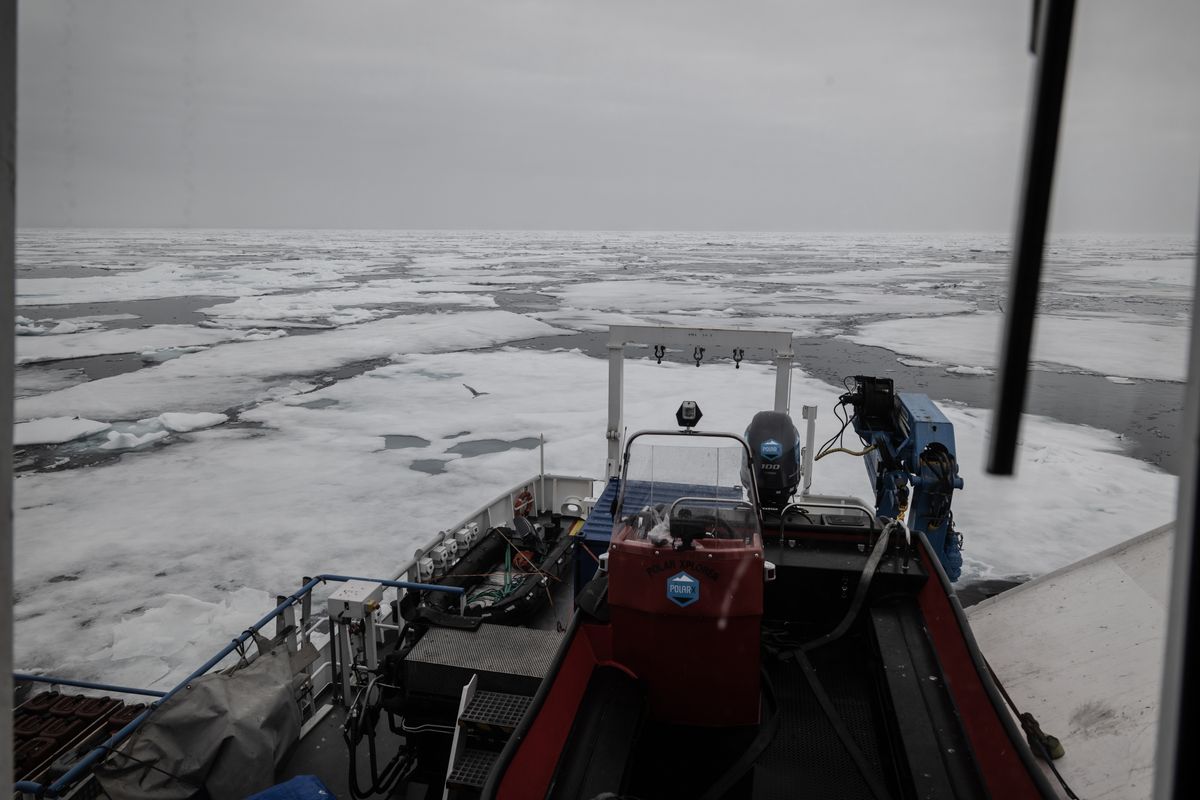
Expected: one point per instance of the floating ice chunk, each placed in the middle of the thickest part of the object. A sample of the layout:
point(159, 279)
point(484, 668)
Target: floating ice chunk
point(166, 354)
point(256, 335)
point(235, 322)
point(117, 340)
point(27, 327)
point(51, 327)
point(185, 280)
point(1119, 380)
point(181, 422)
point(353, 316)
point(961, 370)
point(1107, 344)
point(55, 430)
point(348, 306)
point(118, 440)
point(917, 362)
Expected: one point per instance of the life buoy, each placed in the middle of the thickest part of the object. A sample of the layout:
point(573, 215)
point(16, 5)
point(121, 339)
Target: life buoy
point(523, 505)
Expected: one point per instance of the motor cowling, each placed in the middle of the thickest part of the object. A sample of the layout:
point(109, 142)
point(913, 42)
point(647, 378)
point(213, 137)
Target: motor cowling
point(775, 443)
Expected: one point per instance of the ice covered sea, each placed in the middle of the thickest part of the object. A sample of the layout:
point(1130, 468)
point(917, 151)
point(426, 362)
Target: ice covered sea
point(207, 416)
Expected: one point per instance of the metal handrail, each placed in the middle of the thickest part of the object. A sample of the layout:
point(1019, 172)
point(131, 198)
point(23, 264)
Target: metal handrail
point(76, 772)
point(688, 435)
point(25, 677)
point(800, 505)
point(730, 501)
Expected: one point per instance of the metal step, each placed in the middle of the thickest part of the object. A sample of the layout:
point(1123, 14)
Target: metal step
point(472, 769)
point(490, 712)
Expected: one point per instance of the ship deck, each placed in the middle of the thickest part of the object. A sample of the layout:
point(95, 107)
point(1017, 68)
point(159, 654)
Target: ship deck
point(1042, 636)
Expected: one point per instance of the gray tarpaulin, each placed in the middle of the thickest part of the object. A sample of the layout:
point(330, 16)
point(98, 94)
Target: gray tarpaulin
point(224, 735)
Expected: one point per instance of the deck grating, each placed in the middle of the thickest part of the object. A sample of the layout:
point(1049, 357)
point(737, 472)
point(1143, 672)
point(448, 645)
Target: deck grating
point(495, 710)
point(472, 769)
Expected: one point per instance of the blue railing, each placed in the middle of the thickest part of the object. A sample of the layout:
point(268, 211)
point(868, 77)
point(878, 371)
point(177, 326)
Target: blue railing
point(25, 677)
point(84, 764)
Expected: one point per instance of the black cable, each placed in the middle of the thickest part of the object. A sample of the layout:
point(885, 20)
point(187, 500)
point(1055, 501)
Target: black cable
point(845, 420)
point(860, 593)
point(814, 683)
point(381, 782)
point(350, 734)
point(800, 654)
point(766, 733)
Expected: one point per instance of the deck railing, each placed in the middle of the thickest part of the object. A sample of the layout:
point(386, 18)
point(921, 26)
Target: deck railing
point(80, 768)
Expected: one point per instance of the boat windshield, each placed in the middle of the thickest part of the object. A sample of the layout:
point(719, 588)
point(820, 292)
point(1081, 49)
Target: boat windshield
point(680, 488)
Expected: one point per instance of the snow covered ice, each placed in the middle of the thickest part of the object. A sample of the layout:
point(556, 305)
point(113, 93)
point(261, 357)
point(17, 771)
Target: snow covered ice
point(254, 461)
point(55, 430)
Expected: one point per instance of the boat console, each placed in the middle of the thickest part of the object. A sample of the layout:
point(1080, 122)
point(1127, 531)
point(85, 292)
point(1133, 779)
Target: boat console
point(685, 594)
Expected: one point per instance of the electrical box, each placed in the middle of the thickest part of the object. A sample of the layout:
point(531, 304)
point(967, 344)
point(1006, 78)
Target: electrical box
point(354, 600)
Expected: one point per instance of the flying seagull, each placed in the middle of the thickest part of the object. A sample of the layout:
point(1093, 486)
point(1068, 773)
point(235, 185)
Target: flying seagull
point(474, 392)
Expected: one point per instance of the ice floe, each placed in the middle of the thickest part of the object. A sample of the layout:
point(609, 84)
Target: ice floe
point(120, 440)
point(55, 430)
point(118, 340)
point(371, 300)
point(184, 280)
point(180, 422)
point(51, 327)
point(1113, 344)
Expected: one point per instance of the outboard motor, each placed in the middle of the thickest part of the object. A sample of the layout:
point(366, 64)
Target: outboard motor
point(775, 443)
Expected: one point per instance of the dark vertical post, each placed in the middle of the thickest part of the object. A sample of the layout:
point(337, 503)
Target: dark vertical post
point(8, 208)
point(1054, 44)
point(1177, 711)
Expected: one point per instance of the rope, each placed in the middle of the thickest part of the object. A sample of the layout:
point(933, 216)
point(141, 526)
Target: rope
point(536, 568)
point(1040, 742)
point(148, 765)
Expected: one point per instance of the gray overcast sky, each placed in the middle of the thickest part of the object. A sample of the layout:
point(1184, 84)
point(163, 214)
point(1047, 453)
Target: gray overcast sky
point(596, 114)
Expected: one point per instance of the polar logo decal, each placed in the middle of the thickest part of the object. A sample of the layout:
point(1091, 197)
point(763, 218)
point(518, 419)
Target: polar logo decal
point(770, 450)
point(683, 589)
